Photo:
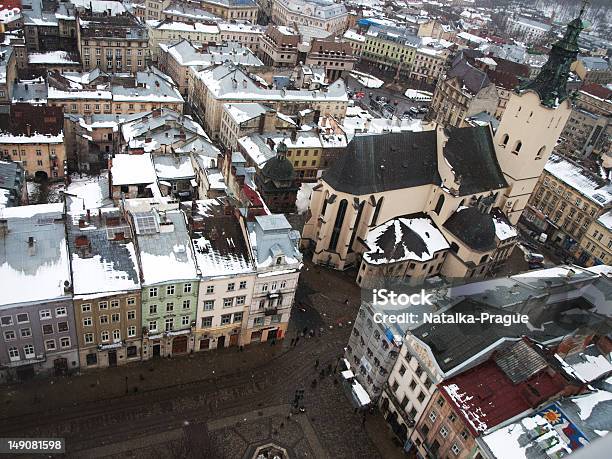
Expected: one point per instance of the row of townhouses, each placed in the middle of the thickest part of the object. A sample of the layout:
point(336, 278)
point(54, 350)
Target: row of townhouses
point(104, 287)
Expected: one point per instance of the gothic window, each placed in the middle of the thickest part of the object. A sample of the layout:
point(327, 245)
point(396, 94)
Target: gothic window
point(517, 147)
point(439, 204)
point(377, 211)
point(333, 242)
point(505, 139)
point(540, 153)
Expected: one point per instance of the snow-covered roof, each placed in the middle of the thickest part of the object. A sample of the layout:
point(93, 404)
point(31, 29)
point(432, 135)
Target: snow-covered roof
point(34, 138)
point(579, 179)
point(166, 253)
point(402, 239)
point(350, 34)
point(271, 236)
point(102, 262)
point(245, 111)
point(151, 86)
point(173, 167)
point(52, 58)
point(34, 263)
point(132, 170)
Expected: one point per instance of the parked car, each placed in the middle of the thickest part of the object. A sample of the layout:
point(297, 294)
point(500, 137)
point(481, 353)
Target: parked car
point(414, 110)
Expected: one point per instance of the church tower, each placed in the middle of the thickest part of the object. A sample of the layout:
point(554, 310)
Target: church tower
point(533, 120)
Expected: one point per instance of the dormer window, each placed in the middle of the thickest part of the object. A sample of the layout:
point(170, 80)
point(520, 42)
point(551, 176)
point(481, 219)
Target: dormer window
point(279, 261)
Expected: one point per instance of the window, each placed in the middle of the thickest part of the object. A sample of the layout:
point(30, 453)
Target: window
point(264, 288)
point(104, 336)
point(153, 292)
point(116, 335)
point(9, 335)
point(413, 385)
point(185, 320)
point(87, 322)
point(226, 319)
point(47, 329)
point(114, 304)
point(25, 332)
point(153, 309)
point(169, 324)
point(13, 354)
point(131, 301)
point(440, 402)
point(86, 307)
point(64, 342)
point(209, 305)
point(207, 322)
point(44, 314)
point(103, 305)
point(517, 147)
point(28, 350)
point(228, 302)
point(170, 290)
point(242, 285)
point(283, 284)
point(169, 307)
point(186, 304)
point(210, 289)
point(153, 326)
point(237, 317)
point(402, 370)
point(444, 431)
point(504, 141)
point(115, 317)
point(23, 318)
point(131, 315)
point(88, 338)
point(333, 242)
point(240, 300)
point(421, 397)
point(6, 321)
point(50, 345)
point(231, 287)
point(464, 434)
point(258, 322)
point(456, 449)
point(187, 288)
point(62, 326)
point(104, 319)
point(131, 331)
point(432, 416)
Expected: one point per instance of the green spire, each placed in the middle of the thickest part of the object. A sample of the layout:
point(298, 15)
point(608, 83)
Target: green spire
point(550, 83)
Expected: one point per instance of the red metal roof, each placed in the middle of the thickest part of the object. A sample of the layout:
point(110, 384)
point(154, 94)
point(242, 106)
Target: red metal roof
point(10, 4)
point(485, 397)
point(597, 90)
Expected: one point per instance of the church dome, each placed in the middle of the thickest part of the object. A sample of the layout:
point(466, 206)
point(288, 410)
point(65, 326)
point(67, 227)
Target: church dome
point(278, 169)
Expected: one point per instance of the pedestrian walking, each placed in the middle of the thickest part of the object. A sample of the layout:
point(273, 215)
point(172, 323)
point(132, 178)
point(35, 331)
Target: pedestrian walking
point(297, 339)
point(317, 363)
point(292, 342)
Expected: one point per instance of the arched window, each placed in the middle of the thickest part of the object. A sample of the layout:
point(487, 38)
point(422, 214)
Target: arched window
point(540, 153)
point(377, 211)
point(356, 225)
point(333, 242)
point(517, 147)
point(439, 204)
point(505, 139)
point(324, 206)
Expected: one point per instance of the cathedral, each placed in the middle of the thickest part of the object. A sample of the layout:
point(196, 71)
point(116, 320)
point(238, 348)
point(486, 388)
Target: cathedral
point(414, 205)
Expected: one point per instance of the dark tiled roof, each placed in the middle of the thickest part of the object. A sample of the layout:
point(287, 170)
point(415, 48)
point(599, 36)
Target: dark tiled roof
point(471, 154)
point(520, 361)
point(470, 77)
point(376, 163)
point(278, 169)
point(474, 228)
point(452, 344)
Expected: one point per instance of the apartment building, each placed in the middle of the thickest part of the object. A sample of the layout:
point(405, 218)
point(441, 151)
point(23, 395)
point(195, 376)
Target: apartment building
point(106, 296)
point(392, 49)
point(36, 312)
point(278, 47)
point(596, 244)
point(334, 55)
point(248, 35)
point(429, 63)
point(464, 91)
point(210, 89)
point(232, 10)
point(228, 276)
point(8, 73)
point(169, 32)
point(278, 261)
point(35, 137)
point(566, 201)
point(112, 43)
point(169, 278)
point(593, 69)
point(356, 40)
point(324, 15)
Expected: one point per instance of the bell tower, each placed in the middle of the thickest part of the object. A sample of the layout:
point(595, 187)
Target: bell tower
point(533, 120)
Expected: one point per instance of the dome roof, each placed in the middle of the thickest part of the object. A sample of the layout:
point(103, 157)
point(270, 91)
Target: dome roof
point(278, 169)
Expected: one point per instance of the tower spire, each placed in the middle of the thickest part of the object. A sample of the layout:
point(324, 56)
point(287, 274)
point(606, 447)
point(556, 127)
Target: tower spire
point(550, 83)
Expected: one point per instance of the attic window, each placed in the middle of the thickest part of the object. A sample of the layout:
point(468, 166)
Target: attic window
point(279, 261)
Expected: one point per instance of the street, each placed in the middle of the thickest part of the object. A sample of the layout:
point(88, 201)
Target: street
point(170, 402)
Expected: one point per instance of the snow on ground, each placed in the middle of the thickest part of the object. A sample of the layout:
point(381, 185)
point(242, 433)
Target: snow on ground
point(367, 80)
point(43, 193)
point(303, 197)
point(91, 192)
